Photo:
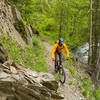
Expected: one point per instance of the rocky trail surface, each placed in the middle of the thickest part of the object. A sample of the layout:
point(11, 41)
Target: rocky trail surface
point(64, 89)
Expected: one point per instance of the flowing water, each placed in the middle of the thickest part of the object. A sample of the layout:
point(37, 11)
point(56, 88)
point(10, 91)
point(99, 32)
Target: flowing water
point(82, 52)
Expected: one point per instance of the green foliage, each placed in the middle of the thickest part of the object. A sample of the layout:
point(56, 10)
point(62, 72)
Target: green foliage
point(57, 76)
point(36, 41)
point(71, 82)
point(31, 56)
point(14, 52)
point(34, 55)
point(86, 82)
point(20, 26)
point(72, 70)
point(47, 16)
point(80, 87)
point(85, 93)
point(97, 94)
point(87, 89)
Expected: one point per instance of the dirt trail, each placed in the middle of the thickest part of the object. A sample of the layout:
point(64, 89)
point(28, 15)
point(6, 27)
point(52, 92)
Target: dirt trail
point(65, 89)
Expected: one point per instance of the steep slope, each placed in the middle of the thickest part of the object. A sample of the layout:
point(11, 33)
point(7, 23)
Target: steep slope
point(65, 89)
point(11, 23)
point(20, 83)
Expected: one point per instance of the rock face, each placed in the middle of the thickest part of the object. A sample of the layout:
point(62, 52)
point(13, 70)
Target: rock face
point(20, 83)
point(12, 23)
point(3, 54)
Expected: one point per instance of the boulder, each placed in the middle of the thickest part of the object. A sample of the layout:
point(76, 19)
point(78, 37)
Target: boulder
point(20, 83)
point(52, 85)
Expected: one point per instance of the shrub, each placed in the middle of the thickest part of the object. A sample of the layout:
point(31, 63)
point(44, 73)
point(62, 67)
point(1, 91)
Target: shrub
point(34, 56)
point(97, 94)
point(57, 76)
point(72, 70)
point(70, 82)
point(14, 51)
point(85, 93)
point(31, 56)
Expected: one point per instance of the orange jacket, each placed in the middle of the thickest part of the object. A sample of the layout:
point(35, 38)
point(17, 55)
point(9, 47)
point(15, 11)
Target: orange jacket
point(59, 49)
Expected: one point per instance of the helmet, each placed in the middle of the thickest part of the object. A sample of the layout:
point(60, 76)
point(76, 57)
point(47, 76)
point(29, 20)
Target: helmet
point(61, 41)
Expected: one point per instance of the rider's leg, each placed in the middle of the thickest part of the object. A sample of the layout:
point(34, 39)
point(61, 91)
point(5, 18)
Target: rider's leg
point(60, 58)
point(55, 60)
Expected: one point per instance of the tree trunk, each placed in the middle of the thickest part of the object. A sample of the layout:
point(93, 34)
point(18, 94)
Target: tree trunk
point(98, 67)
point(96, 73)
point(64, 25)
point(95, 61)
point(90, 41)
point(60, 28)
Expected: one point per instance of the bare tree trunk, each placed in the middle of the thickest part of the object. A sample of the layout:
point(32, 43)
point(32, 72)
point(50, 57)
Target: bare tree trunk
point(96, 73)
point(95, 69)
point(96, 34)
point(90, 41)
point(98, 67)
point(60, 28)
point(64, 24)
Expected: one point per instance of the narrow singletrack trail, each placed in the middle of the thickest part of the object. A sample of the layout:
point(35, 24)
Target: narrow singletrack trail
point(64, 89)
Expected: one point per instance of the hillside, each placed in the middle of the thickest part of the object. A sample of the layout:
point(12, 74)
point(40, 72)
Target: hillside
point(28, 31)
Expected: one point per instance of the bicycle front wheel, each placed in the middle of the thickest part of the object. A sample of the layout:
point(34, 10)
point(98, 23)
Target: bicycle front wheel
point(62, 75)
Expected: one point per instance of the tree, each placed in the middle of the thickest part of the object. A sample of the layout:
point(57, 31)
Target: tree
point(90, 39)
point(95, 32)
point(97, 70)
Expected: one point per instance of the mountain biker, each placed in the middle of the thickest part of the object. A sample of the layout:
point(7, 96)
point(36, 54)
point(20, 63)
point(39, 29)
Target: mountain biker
point(57, 50)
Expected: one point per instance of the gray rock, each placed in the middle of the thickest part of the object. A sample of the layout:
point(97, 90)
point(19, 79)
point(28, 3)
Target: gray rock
point(16, 76)
point(32, 73)
point(46, 76)
point(23, 86)
point(22, 83)
point(10, 19)
point(4, 75)
point(52, 85)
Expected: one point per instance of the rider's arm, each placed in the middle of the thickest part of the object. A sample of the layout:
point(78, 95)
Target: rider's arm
point(53, 51)
point(66, 50)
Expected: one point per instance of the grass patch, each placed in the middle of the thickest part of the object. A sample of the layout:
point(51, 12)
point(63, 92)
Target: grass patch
point(72, 70)
point(13, 49)
point(31, 56)
point(57, 76)
point(84, 84)
point(71, 82)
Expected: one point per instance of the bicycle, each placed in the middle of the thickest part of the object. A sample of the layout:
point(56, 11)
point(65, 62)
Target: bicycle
point(59, 68)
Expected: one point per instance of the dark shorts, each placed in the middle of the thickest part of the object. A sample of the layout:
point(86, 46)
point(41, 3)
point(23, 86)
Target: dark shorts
point(58, 56)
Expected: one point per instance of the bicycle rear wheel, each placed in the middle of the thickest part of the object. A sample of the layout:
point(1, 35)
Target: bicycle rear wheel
point(62, 75)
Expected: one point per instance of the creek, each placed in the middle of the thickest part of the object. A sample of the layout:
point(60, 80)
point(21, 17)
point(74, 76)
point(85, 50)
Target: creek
point(82, 52)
